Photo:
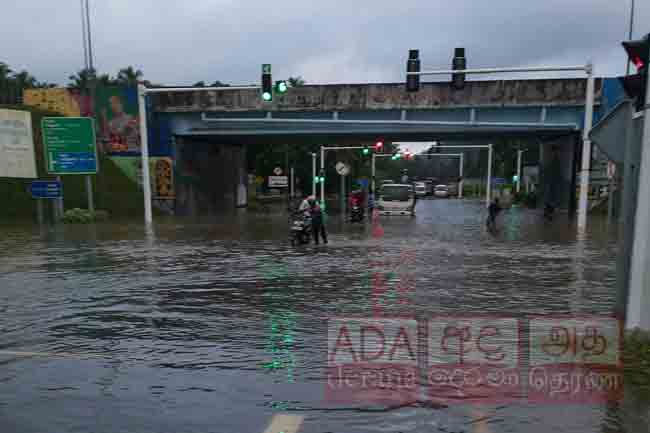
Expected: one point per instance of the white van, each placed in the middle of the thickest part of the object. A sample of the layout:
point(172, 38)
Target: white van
point(396, 199)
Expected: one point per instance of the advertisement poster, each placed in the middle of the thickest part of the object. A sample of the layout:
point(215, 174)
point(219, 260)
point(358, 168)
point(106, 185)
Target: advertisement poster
point(17, 157)
point(161, 172)
point(116, 110)
point(69, 102)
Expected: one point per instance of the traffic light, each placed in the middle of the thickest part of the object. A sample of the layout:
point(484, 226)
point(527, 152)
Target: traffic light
point(267, 83)
point(281, 86)
point(635, 86)
point(413, 65)
point(379, 145)
point(365, 150)
point(458, 63)
point(396, 156)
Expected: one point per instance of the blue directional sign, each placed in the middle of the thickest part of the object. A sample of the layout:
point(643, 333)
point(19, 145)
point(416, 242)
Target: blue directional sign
point(498, 181)
point(49, 189)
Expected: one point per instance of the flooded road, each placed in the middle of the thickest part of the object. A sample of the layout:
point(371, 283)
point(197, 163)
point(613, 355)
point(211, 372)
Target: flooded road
point(219, 325)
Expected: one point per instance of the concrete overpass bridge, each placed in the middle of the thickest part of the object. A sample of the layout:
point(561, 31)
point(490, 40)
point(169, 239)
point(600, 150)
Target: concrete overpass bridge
point(544, 112)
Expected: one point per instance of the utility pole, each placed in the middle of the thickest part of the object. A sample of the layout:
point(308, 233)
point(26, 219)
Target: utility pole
point(638, 308)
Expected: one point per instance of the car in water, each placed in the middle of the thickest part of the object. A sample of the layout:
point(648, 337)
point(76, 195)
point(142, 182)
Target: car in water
point(396, 199)
point(441, 191)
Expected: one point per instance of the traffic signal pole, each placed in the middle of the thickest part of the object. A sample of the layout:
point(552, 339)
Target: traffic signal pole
point(638, 307)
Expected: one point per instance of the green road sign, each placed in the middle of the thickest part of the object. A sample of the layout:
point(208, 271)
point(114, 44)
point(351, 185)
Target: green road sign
point(69, 144)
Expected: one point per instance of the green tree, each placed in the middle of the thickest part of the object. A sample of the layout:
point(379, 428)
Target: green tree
point(129, 76)
point(5, 72)
point(24, 80)
point(296, 81)
point(199, 84)
point(82, 79)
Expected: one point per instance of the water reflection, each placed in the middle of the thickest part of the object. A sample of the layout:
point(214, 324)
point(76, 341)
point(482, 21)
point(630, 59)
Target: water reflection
point(217, 324)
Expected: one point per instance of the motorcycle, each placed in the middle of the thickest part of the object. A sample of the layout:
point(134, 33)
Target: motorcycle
point(356, 214)
point(300, 230)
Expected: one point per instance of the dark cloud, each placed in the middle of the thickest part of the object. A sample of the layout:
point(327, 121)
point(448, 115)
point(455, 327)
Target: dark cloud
point(183, 42)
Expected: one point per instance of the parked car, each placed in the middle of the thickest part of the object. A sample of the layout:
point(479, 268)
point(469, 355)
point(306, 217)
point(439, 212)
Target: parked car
point(441, 191)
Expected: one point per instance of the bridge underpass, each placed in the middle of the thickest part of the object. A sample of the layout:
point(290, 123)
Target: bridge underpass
point(544, 113)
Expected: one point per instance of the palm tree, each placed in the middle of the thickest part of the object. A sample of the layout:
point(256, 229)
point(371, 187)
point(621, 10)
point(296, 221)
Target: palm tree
point(5, 71)
point(106, 80)
point(82, 79)
point(296, 81)
point(24, 80)
point(129, 76)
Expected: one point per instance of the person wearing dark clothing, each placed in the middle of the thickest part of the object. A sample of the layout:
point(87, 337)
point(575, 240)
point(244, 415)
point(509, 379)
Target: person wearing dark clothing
point(493, 211)
point(317, 223)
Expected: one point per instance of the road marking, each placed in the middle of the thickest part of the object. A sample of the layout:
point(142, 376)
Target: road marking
point(480, 421)
point(283, 423)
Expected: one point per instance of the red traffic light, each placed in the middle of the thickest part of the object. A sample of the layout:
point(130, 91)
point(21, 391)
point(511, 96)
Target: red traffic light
point(379, 145)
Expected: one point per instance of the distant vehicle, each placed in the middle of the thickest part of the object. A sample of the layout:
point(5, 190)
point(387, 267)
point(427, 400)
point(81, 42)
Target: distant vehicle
point(396, 199)
point(423, 188)
point(441, 191)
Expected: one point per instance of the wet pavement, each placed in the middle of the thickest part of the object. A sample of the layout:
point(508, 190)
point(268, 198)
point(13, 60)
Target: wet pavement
point(219, 325)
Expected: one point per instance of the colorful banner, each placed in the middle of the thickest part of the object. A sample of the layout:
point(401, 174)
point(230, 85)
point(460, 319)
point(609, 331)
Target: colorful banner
point(68, 102)
point(161, 172)
point(17, 157)
point(118, 121)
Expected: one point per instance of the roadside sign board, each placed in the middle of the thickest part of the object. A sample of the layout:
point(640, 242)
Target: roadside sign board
point(17, 158)
point(278, 181)
point(49, 189)
point(69, 144)
point(498, 181)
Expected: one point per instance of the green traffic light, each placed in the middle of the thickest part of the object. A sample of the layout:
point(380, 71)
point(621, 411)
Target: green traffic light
point(267, 96)
point(365, 151)
point(282, 87)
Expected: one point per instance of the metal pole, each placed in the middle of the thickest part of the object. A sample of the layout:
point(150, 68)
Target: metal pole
point(488, 191)
point(638, 307)
point(313, 174)
point(372, 172)
point(460, 184)
point(322, 184)
point(39, 210)
point(343, 195)
point(90, 41)
point(292, 184)
point(89, 193)
point(146, 185)
point(627, 63)
point(586, 151)
point(84, 33)
point(519, 153)
point(59, 202)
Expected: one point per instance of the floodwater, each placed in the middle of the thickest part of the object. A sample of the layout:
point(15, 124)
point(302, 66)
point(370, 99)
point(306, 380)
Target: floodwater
point(218, 325)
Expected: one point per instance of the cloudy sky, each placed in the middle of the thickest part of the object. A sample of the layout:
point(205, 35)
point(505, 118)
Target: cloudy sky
point(181, 42)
